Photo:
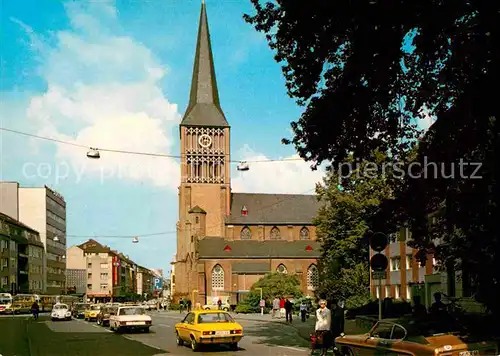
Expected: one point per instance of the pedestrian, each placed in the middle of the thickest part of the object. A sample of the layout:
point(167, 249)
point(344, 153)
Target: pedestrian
point(288, 310)
point(322, 327)
point(282, 307)
point(189, 303)
point(418, 310)
point(35, 309)
point(219, 304)
point(337, 323)
point(276, 307)
point(181, 305)
point(303, 311)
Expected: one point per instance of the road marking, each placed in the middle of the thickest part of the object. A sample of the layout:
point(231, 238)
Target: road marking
point(291, 348)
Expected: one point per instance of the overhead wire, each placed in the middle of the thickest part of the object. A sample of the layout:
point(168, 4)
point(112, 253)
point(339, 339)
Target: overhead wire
point(138, 153)
point(289, 197)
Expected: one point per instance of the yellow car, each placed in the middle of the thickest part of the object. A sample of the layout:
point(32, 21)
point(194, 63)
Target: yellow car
point(91, 312)
point(202, 327)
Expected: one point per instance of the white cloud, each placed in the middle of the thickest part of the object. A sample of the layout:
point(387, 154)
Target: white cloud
point(288, 176)
point(103, 90)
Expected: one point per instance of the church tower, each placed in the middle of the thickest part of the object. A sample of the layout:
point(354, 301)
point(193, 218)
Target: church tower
point(205, 189)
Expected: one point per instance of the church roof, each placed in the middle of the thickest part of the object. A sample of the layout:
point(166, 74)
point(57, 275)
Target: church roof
point(219, 248)
point(273, 209)
point(204, 107)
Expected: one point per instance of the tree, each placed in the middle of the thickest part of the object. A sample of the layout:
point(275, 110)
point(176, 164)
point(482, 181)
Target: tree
point(273, 285)
point(366, 71)
point(351, 197)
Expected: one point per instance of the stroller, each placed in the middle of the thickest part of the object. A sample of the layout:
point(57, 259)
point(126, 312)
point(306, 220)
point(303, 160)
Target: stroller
point(319, 339)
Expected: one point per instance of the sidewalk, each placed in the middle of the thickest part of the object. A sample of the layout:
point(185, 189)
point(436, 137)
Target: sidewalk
point(304, 329)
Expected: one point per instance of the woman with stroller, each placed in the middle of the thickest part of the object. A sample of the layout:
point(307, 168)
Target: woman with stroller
point(322, 328)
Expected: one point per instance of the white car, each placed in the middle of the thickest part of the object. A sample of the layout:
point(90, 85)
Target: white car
point(130, 317)
point(60, 312)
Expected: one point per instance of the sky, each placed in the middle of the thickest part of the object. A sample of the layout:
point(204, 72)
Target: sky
point(116, 75)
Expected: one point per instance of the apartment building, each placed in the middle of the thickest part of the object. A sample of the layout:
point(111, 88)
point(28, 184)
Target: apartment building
point(145, 280)
point(106, 273)
point(407, 277)
point(21, 257)
point(44, 210)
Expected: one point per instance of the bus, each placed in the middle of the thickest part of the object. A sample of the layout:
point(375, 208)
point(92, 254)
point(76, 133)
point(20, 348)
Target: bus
point(21, 303)
point(5, 303)
point(47, 302)
point(69, 300)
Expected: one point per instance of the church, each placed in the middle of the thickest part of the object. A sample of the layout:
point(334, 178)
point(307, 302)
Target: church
point(226, 241)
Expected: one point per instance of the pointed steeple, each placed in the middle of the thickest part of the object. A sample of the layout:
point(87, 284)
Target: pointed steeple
point(204, 107)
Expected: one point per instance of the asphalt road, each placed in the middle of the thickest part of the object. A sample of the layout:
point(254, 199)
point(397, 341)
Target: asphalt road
point(21, 336)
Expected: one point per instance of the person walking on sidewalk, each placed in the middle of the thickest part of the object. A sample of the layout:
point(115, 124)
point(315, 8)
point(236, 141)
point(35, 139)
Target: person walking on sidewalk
point(288, 310)
point(276, 307)
point(322, 327)
point(303, 311)
point(282, 307)
point(35, 309)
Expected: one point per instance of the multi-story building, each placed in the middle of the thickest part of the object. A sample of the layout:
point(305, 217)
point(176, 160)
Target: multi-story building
point(44, 210)
point(108, 273)
point(145, 278)
point(406, 277)
point(21, 257)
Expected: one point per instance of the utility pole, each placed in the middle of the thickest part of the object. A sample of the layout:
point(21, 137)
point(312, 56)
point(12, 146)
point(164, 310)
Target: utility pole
point(379, 263)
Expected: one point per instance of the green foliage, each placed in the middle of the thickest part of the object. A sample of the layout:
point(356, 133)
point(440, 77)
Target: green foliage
point(366, 71)
point(243, 308)
point(273, 285)
point(352, 196)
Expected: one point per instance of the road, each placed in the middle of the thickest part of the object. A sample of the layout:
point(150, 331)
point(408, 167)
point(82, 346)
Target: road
point(22, 336)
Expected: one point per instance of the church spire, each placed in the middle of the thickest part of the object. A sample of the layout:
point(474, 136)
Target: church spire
point(204, 107)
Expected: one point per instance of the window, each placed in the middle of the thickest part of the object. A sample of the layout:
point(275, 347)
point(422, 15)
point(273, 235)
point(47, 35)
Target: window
point(89, 265)
point(387, 291)
point(275, 233)
point(197, 219)
point(281, 269)
point(104, 266)
point(312, 278)
point(5, 262)
point(89, 286)
point(408, 261)
point(304, 233)
point(408, 292)
point(377, 292)
point(245, 233)
point(393, 237)
point(407, 234)
point(104, 276)
point(435, 265)
point(395, 263)
point(244, 211)
point(4, 281)
point(104, 286)
point(397, 291)
point(89, 275)
point(217, 278)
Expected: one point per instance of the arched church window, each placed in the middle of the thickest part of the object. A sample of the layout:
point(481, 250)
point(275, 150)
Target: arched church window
point(304, 233)
point(312, 277)
point(217, 278)
point(275, 233)
point(281, 269)
point(245, 234)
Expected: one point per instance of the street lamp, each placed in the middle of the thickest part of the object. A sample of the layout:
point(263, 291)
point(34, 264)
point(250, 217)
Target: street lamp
point(93, 153)
point(261, 306)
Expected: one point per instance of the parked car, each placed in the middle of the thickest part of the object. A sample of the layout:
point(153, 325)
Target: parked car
point(130, 317)
point(215, 306)
point(104, 314)
point(203, 327)
point(78, 310)
point(91, 312)
point(60, 312)
point(413, 339)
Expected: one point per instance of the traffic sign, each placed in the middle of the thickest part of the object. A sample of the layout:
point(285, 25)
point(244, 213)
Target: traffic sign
point(378, 242)
point(262, 303)
point(379, 274)
point(379, 262)
point(157, 283)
